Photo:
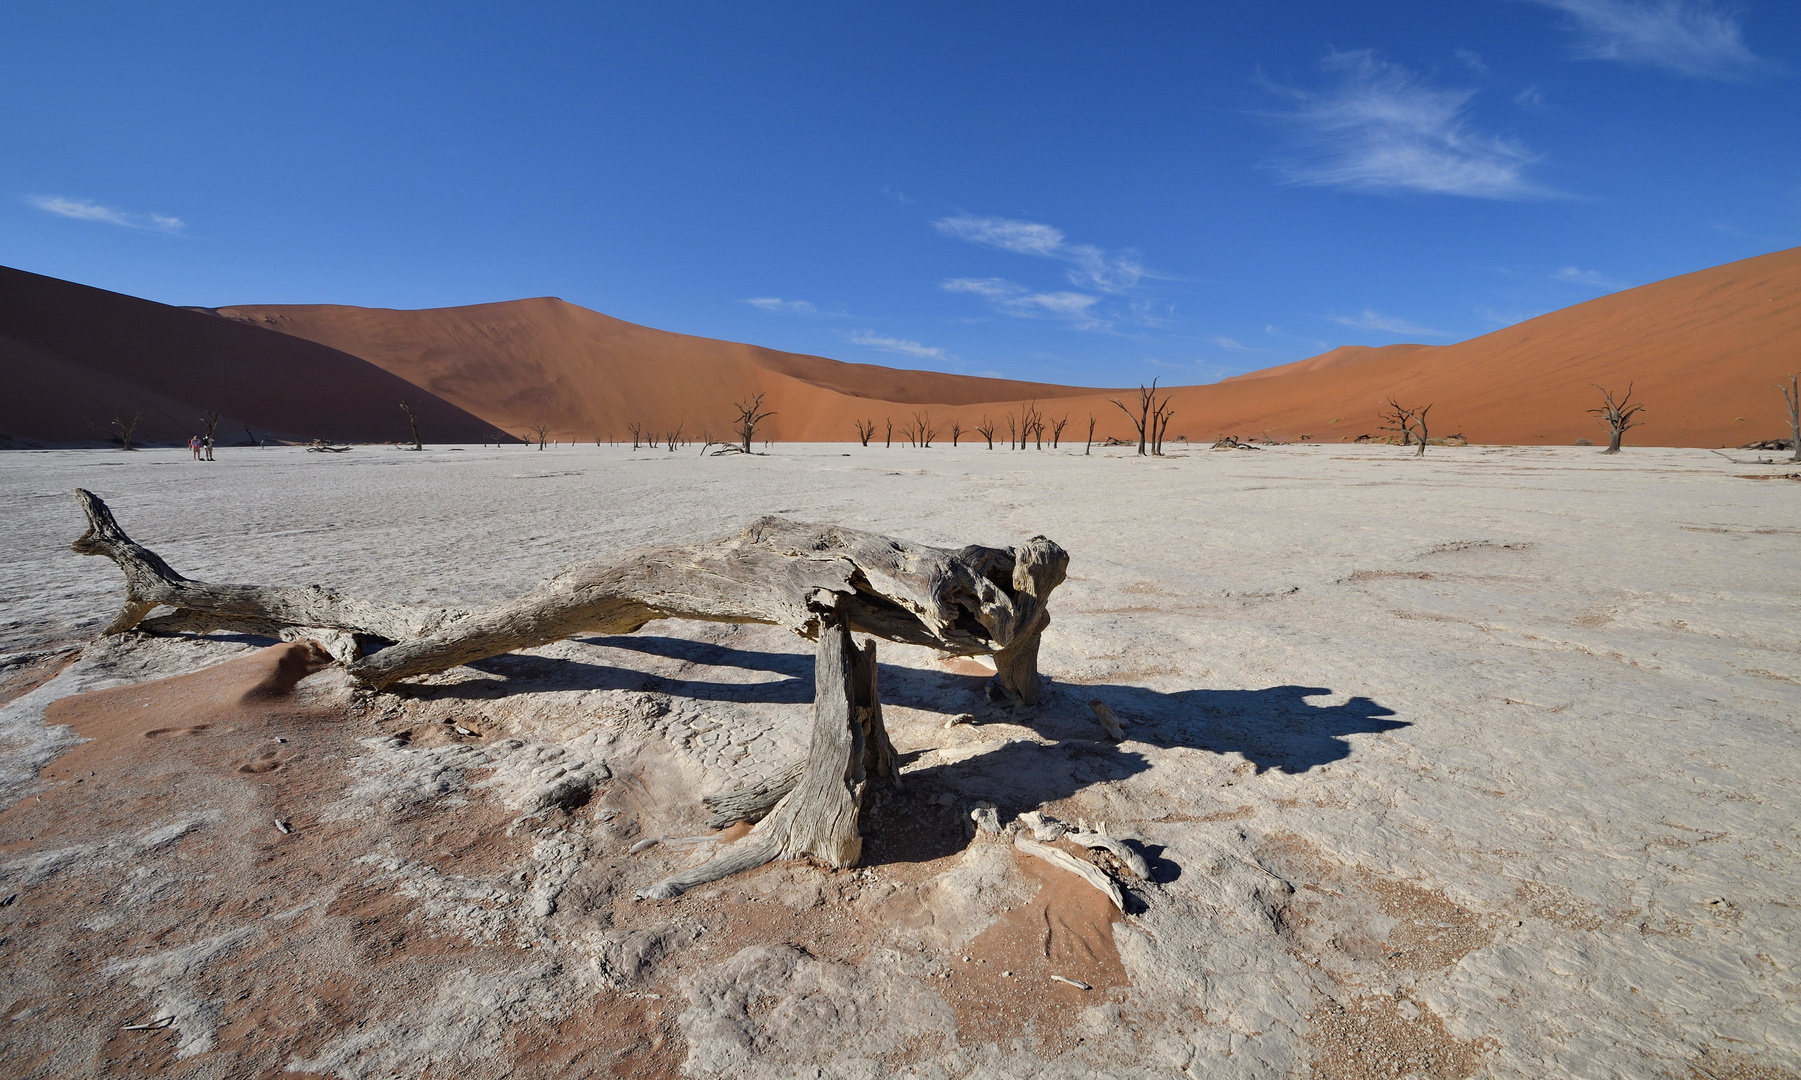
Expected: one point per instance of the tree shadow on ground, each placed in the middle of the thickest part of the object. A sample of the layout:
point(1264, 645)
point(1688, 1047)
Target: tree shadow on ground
point(1276, 728)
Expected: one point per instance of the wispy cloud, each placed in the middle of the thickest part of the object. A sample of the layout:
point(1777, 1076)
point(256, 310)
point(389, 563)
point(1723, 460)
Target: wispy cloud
point(1381, 127)
point(1696, 38)
point(1012, 298)
point(1531, 98)
point(785, 307)
point(1234, 344)
point(1577, 276)
point(1091, 267)
point(1472, 60)
point(1388, 324)
point(87, 210)
point(898, 345)
point(898, 196)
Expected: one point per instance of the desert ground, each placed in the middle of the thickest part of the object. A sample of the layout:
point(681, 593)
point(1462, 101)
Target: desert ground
point(1477, 765)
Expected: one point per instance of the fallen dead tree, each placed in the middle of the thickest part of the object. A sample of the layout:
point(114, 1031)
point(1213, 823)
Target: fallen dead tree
point(970, 602)
point(820, 581)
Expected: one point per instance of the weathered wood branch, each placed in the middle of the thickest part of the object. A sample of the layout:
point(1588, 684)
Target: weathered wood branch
point(973, 601)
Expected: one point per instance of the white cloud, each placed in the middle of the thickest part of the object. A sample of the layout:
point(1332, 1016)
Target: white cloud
point(1091, 267)
point(786, 307)
point(1531, 98)
point(1577, 276)
point(1383, 128)
point(87, 210)
point(898, 345)
point(1472, 60)
point(1012, 298)
point(1371, 320)
point(1225, 342)
point(1689, 37)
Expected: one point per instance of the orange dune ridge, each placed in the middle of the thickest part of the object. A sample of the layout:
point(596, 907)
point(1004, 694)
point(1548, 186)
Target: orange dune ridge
point(589, 376)
point(1703, 351)
point(74, 357)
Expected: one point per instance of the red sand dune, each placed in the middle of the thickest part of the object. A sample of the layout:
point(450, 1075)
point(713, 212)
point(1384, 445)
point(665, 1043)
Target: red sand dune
point(586, 375)
point(74, 357)
point(1702, 350)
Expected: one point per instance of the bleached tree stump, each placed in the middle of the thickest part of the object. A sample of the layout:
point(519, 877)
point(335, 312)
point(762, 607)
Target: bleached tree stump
point(818, 814)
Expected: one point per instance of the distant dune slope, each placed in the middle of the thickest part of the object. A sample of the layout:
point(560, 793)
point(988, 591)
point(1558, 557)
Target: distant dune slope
point(1702, 350)
point(1344, 354)
point(73, 357)
point(589, 375)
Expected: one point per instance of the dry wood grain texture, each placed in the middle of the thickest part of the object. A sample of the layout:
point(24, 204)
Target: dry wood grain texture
point(972, 601)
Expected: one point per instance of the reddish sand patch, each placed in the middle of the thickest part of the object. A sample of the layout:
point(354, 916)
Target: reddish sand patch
point(312, 952)
point(1005, 987)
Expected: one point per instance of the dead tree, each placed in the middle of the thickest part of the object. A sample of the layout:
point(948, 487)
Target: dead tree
point(956, 432)
point(1149, 407)
point(1419, 421)
point(1399, 420)
point(1160, 418)
point(541, 430)
point(1791, 396)
point(1616, 416)
point(822, 582)
point(750, 414)
point(1088, 446)
point(412, 418)
point(921, 432)
point(674, 438)
point(865, 430)
point(986, 430)
point(1014, 441)
point(888, 438)
point(637, 431)
point(126, 428)
point(210, 420)
point(1032, 426)
point(1057, 427)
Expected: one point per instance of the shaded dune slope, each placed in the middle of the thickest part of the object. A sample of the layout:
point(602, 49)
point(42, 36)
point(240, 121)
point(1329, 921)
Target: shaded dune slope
point(74, 357)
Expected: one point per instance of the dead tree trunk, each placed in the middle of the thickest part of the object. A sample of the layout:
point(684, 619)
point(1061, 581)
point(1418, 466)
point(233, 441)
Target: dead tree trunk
point(1616, 417)
point(812, 809)
point(412, 418)
point(970, 602)
point(1791, 396)
point(750, 414)
point(126, 428)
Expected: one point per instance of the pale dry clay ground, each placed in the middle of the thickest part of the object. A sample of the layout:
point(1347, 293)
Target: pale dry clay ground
point(1479, 765)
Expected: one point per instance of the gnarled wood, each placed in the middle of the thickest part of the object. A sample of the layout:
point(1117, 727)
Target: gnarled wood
point(973, 601)
point(818, 817)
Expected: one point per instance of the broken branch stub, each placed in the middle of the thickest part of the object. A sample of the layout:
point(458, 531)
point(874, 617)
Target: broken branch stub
point(969, 602)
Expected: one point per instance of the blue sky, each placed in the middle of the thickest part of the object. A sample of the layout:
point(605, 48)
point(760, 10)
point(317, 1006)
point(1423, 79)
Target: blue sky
point(1079, 193)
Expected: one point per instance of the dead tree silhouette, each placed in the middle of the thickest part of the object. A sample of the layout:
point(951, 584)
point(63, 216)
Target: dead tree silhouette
point(750, 414)
point(1616, 416)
